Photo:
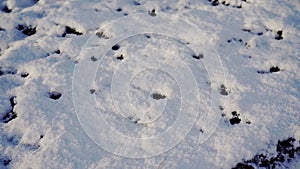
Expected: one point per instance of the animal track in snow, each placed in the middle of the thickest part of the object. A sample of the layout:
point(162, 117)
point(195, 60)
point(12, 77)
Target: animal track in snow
point(271, 70)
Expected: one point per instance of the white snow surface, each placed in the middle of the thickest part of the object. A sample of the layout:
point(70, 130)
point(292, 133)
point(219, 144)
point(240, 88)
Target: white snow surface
point(47, 133)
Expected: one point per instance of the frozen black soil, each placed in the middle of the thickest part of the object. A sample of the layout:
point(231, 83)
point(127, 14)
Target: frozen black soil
point(285, 153)
point(272, 69)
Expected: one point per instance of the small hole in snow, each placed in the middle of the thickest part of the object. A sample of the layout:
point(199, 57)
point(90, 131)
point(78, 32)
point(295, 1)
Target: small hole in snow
point(221, 108)
point(6, 10)
point(57, 51)
point(133, 119)
point(101, 35)
point(214, 2)
point(136, 3)
point(223, 90)
point(274, 69)
point(5, 161)
point(54, 95)
point(7, 70)
point(147, 36)
point(234, 113)
point(27, 30)
point(24, 74)
point(115, 47)
point(261, 72)
point(158, 96)
point(94, 59)
point(92, 91)
point(279, 35)
point(235, 119)
point(246, 30)
point(152, 13)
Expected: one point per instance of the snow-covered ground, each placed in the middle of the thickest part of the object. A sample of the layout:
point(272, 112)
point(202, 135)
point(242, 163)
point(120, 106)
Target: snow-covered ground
point(188, 84)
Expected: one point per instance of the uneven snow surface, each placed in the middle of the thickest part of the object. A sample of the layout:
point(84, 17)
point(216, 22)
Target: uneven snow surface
point(149, 84)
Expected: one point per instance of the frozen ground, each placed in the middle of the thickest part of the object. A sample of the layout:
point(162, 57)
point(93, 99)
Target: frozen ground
point(41, 42)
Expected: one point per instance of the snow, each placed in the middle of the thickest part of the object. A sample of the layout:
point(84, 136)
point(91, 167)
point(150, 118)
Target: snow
point(202, 63)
